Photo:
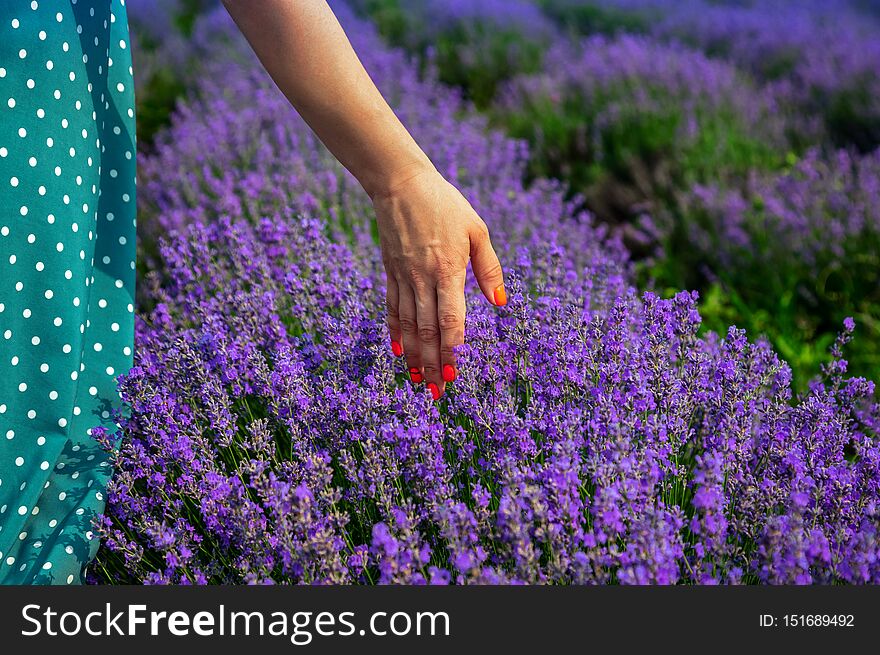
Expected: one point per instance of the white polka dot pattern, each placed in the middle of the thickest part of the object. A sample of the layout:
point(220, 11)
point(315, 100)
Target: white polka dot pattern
point(67, 259)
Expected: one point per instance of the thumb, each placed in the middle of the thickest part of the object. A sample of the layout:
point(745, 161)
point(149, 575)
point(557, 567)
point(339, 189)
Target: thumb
point(487, 268)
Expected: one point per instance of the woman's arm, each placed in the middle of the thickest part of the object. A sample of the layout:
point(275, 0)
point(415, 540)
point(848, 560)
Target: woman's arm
point(428, 231)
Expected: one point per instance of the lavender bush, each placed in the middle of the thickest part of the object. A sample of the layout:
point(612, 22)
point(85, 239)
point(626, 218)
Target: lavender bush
point(592, 437)
point(164, 58)
point(797, 252)
point(238, 143)
point(767, 281)
point(473, 45)
point(580, 17)
point(628, 120)
point(838, 82)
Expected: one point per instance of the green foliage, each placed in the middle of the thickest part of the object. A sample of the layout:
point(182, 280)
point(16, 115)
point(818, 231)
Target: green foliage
point(188, 13)
point(480, 57)
point(157, 96)
point(642, 149)
point(395, 25)
point(477, 57)
point(724, 149)
point(770, 290)
point(155, 103)
point(851, 118)
point(590, 18)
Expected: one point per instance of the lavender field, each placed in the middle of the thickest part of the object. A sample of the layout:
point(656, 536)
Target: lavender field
point(681, 389)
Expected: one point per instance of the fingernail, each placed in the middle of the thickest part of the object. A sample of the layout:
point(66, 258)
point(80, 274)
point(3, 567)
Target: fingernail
point(435, 392)
point(448, 373)
point(396, 348)
point(500, 296)
point(415, 375)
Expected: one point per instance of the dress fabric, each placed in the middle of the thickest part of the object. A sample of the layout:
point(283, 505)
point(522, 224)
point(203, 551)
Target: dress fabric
point(67, 260)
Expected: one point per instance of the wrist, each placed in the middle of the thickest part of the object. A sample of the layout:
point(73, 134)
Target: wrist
point(386, 185)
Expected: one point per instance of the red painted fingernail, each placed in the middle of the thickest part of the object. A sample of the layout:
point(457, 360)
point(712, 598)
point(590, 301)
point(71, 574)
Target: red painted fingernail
point(500, 296)
point(448, 373)
point(415, 375)
point(396, 348)
point(435, 392)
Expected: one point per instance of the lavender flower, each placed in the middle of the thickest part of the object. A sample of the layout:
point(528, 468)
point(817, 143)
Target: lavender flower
point(593, 436)
point(628, 119)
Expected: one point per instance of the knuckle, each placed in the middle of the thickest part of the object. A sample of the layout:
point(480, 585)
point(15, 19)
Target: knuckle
point(494, 270)
point(429, 333)
point(482, 230)
point(445, 270)
point(438, 271)
point(408, 324)
point(415, 276)
point(450, 321)
point(392, 306)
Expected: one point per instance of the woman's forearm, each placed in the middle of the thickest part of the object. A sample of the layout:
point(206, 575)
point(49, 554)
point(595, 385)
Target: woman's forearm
point(428, 231)
point(306, 52)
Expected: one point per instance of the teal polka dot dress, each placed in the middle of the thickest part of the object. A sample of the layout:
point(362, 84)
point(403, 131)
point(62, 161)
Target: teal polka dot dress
point(67, 259)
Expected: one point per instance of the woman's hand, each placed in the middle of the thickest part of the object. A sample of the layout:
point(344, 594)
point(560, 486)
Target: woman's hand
point(428, 233)
point(428, 230)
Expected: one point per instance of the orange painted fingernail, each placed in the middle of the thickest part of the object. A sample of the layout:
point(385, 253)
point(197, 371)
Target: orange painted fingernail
point(500, 296)
point(396, 348)
point(415, 375)
point(435, 392)
point(448, 373)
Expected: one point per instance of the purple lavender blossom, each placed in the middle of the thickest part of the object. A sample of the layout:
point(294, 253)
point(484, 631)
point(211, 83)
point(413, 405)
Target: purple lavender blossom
point(629, 120)
point(812, 232)
point(822, 57)
point(593, 435)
